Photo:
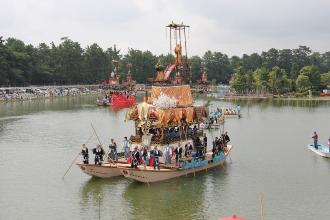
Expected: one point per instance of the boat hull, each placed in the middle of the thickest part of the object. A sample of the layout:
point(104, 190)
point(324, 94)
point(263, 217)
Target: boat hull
point(149, 175)
point(322, 150)
point(103, 171)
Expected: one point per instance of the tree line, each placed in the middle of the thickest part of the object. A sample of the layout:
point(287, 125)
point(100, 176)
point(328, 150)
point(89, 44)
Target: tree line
point(276, 71)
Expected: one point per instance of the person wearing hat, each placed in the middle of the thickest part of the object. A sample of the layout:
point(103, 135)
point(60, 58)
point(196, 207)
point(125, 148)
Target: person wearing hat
point(99, 152)
point(135, 157)
point(84, 153)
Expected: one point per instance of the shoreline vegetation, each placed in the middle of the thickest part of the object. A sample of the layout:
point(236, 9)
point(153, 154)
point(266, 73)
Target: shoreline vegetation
point(272, 97)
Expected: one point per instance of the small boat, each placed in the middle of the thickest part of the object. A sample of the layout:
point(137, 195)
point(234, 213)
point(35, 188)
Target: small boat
point(103, 102)
point(149, 175)
point(322, 150)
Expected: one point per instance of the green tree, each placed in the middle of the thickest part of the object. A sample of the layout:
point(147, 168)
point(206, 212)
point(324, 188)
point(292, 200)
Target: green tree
point(238, 81)
point(195, 67)
point(218, 66)
point(69, 62)
point(278, 80)
point(313, 73)
point(95, 63)
point(143, 64)
point(261, 78)
point(303, 83)
point(325, 79)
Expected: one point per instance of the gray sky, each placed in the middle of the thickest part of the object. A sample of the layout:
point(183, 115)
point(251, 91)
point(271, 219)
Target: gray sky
point(233, 27)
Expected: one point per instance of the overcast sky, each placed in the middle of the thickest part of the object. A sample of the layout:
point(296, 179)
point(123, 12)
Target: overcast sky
point(233, 27)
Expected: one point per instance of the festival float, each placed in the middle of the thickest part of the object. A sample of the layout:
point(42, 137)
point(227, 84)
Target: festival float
point(167, 117)
point(119, 96)
point(203, 85)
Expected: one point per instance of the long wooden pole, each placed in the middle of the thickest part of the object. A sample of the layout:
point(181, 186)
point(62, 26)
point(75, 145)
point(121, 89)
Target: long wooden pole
point(101, 144)
point(261, 206)
point(75, 158)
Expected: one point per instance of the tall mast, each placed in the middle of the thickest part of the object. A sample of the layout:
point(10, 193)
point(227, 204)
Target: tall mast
point(182, 65)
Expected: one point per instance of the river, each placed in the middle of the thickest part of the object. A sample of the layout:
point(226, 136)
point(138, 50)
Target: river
point(39, 139)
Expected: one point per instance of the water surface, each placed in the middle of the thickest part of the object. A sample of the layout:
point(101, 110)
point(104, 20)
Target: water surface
point(39, 139)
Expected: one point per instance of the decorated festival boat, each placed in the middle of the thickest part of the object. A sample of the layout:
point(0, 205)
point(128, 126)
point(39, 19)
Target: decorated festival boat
point(166, 119)
point(120, 95)
point(169, 117)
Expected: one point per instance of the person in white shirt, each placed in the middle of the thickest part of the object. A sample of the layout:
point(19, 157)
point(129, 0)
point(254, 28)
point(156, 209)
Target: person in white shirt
point(126, 149)
point(168, 154)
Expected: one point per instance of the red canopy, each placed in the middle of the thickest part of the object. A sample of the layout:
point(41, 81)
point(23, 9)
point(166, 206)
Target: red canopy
point(233, 217)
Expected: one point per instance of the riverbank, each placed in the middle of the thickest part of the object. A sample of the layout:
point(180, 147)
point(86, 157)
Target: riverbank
point(11, 94)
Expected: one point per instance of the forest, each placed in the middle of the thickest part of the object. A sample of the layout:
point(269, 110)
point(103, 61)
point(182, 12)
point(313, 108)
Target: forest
point(276, 71)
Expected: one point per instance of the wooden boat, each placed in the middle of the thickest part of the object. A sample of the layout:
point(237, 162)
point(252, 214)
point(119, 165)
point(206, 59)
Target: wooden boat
point(105, 170)
point(322, 150)
point(149, 175)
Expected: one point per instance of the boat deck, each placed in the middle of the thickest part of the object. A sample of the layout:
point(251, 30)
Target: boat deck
point(322, 150)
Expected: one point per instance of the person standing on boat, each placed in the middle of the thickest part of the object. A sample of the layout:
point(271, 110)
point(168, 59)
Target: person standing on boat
point(168, 154)
point(188, 149)
point(144, 153)
point(99, 152)
point(84, 153)
point(156, 154)
point(178, 154)
point(204, 143)
point(315, 137)
point(226, 138)
point(135, 157)
point(329, 144)
point(113, 150)
point(126, 148)
point(238, 109)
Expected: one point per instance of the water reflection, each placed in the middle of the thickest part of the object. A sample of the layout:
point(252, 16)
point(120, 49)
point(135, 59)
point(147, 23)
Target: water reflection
point(57, 104)
point(104, 196)
point(181, 198)
point(4, 122)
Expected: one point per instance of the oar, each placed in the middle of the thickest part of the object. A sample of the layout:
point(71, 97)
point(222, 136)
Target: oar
point(101, 144)
point(75, 158)
point(71, 165)
point(261, 206)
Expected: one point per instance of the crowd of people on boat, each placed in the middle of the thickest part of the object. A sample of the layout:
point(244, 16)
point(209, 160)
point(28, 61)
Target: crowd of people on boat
point(150, 156)
point(170, 134)
point(19, 94)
